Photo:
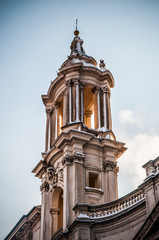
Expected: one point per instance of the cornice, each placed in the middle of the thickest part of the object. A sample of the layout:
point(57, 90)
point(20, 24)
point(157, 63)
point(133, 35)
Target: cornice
point(25, 223)
point(40, 168)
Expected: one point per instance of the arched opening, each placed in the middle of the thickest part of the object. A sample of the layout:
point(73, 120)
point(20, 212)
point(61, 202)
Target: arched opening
point(88, 107)
point(57, 209)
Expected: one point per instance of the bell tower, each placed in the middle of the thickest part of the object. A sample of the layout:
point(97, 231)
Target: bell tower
point(79, 164)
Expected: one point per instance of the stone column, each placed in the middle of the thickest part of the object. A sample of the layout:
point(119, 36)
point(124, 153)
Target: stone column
point(98, 104)
point(82, 103)
point(65, 106)
point(48, 120)
point(57, 125)
point(108, 94)
point(69, 85)
point(46, 222)
point(51, 127)
point(105, 107)
point(95, 108)
point(77, 99)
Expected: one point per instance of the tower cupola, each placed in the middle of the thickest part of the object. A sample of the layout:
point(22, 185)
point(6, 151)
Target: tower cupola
point(79, 98)
point(79, 163)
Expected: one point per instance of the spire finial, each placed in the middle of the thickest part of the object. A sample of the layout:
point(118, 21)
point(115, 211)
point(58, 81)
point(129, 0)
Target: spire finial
point(76, 23)
point(76, 32)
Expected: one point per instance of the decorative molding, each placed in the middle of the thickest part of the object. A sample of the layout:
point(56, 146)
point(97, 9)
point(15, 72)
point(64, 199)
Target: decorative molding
point(44, 187)
point(91, 145)
point(50, 173)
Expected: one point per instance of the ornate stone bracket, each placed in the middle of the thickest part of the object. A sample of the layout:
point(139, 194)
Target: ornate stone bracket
point(44, 187)
point(54, 176)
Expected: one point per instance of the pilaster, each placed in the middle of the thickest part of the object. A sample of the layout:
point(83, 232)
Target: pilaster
point(110, 183)
point(46, 221)
point(151, 184)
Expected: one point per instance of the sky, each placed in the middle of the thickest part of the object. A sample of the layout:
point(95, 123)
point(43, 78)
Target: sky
point(35, 38)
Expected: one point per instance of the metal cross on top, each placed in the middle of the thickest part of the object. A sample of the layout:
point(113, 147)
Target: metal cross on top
point(76, 23)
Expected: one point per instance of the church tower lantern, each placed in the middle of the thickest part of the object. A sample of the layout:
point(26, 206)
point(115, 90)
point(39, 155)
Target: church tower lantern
point(79, 165)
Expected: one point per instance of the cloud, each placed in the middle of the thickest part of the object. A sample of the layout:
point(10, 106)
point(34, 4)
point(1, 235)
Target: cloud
point(141, 148)
point(129, 117)
point(142, 142)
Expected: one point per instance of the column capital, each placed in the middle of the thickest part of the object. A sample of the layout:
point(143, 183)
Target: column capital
point(67, 160)
point(96, 89)
point(82, 85)
point(109, 92)
point(110, 166)
point(68, 83)
point(49, 110)
point(105, 89)
point(76, 81)
point(57, 104)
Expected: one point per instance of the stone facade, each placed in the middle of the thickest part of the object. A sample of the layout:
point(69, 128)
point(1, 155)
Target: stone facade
point(78, 172)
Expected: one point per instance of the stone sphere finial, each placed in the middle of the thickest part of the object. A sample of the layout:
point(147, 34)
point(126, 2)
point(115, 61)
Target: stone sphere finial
point(76, 32)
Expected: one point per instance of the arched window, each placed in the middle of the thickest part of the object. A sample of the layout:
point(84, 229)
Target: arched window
point(57, 209)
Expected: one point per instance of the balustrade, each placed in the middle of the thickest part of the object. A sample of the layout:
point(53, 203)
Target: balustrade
point(108, 209)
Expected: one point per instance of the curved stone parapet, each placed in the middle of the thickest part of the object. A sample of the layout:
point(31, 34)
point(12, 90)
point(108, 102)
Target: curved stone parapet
point(113, 208)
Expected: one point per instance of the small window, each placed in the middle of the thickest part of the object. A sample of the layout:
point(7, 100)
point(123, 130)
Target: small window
point(93, 180)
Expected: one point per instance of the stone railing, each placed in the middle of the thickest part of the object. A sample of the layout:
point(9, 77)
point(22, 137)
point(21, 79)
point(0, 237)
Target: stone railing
point(120, 205)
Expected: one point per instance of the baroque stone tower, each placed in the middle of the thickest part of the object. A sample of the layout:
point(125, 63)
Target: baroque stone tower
point(79, 165)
